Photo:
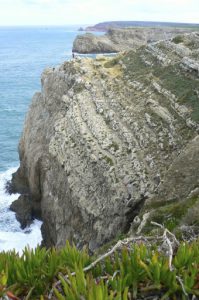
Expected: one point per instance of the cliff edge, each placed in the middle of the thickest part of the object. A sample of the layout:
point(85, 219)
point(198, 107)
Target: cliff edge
point(108, 138)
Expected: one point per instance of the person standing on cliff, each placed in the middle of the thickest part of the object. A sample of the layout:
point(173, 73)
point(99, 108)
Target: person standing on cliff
point(73, 55)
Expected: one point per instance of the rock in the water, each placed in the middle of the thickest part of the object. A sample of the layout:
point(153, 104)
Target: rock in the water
point(18, 184)
point(23, 209)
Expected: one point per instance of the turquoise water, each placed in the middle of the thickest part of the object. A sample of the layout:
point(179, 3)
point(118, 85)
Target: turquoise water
point(24, 53)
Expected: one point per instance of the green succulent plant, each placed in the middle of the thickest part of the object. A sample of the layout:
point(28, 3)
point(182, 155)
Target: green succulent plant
point(133, 272)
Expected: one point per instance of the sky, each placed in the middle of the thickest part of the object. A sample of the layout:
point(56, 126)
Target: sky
point(65, 12)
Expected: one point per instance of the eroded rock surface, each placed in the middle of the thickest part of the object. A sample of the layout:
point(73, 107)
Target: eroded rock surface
point(107, 134)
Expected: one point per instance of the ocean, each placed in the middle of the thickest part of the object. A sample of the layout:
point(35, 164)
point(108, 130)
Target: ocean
point(24, 53)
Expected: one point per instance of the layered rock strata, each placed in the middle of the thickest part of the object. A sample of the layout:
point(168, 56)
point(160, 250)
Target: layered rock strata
point(107, 135)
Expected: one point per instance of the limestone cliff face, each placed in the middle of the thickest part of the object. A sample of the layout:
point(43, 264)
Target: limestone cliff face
point(106, 134)
point(120, 39)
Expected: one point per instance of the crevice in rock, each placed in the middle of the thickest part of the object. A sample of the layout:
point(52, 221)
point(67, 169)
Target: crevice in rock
point(133, 211)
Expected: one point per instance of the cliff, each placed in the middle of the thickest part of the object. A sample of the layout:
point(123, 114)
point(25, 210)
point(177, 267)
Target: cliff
point(108, 139)
point(117, 39)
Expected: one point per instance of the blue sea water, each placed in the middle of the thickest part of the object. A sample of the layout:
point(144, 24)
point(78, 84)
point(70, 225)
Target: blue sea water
point(24, 53)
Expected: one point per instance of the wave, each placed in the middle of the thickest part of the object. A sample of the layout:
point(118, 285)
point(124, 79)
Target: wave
point(11, 234)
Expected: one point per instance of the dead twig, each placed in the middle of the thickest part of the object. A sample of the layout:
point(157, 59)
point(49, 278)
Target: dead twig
point(168, 242)
point(182, 285)
point(167, 231)
point(170, 250)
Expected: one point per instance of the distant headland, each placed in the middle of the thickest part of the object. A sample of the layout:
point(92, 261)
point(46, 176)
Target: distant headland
point(105, 26)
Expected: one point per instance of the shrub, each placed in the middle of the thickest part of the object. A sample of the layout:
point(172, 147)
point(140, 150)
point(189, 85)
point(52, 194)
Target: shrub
point(178, 39)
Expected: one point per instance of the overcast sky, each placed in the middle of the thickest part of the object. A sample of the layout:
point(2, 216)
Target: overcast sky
point(63, 12)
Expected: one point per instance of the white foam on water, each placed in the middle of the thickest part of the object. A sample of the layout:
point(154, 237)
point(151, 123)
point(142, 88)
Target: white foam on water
point(11, 234)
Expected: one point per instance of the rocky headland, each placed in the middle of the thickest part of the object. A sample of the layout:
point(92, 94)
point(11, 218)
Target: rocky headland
point(105, 26)
point(111, 143)
point(122, 39)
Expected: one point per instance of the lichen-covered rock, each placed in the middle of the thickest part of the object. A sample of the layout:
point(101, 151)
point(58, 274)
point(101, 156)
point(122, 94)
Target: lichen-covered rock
point(107, 134)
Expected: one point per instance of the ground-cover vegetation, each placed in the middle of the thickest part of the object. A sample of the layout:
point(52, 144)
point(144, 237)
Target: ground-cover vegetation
point(133, 271)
